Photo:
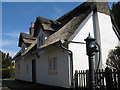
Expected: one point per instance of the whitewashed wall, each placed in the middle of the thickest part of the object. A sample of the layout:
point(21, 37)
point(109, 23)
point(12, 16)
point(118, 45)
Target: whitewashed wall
point(62, 77)
point(108, 41)
point(80, 58)
point(23, 74)
point(108, 37)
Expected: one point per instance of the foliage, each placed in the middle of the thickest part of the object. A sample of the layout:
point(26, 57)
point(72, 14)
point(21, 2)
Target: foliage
point(114, 58)
point(116, 13)
point(7, 65)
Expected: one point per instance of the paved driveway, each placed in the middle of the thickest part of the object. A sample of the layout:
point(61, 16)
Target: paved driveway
point(17, 85)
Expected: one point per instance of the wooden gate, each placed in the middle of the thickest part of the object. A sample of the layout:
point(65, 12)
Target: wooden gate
point(104, 79)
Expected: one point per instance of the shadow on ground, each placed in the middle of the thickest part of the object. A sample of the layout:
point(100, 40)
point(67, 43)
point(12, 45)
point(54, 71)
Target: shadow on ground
point(17, 85)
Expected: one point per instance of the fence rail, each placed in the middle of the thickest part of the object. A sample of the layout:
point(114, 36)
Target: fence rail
point(105, 79)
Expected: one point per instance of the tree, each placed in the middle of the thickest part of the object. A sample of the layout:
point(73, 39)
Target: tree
point(114, 58)
point(7, 64)
point(116, 13)
point(6, 60)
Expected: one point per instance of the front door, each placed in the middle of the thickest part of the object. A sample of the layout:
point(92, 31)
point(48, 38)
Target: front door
point(34, 71)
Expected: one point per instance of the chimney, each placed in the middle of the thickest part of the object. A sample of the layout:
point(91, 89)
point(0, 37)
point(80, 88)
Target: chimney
point(101, 6)
point(31, 30)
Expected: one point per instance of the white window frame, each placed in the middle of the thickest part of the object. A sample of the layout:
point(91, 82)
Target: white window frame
point(52, 65)
point(41, 40)
point(27, 68)
point(23, 48)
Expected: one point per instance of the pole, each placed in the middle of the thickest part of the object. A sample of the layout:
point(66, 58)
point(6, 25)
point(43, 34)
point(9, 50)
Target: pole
point(91, 73)
point(91, 49)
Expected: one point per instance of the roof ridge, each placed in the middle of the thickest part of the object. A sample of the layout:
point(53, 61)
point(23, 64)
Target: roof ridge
point(50, 20)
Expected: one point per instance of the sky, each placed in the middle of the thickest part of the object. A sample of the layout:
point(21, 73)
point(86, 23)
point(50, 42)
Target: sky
point(17, 17)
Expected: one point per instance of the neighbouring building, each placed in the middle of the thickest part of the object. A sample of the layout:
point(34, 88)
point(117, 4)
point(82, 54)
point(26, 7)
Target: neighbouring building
point(50, 53)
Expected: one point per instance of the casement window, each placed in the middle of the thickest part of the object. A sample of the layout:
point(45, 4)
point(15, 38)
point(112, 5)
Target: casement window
point(27, 68)
point(18, 67)
point(23, 48)
point(52, 65)
point(41, 40)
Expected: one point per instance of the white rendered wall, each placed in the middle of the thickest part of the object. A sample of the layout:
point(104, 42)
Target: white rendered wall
point(108, 37)
point(80, 58)
point(23, 74)
point(61, 78)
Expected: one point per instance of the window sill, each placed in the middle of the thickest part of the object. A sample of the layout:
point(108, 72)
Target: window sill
point(52, 72)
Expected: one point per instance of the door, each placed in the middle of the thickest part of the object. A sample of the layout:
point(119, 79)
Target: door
point(34, 71)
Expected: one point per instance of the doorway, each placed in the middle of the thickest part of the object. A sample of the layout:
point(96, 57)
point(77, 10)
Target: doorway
point(34, 71)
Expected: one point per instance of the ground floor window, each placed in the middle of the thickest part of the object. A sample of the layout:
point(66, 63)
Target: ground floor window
point(52, 65)
point(18, 68)
point(27, 68)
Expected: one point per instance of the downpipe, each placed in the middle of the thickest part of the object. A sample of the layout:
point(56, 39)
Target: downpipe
point(71, 63)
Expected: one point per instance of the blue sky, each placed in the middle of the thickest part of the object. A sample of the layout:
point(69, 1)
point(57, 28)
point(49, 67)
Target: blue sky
point(17, 17)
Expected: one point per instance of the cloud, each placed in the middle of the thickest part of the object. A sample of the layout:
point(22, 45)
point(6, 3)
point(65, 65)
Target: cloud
point(57, 11)
point(11, 52)
point(12, 34)
point(8, 43)
point(9, 46)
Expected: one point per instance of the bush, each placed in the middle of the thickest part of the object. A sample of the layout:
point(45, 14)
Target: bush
point(7, 73)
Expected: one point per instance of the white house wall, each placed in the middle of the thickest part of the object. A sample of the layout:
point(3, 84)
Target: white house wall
point(108, 37)
point(80, 58)
point(23, 74)
point(61, 78)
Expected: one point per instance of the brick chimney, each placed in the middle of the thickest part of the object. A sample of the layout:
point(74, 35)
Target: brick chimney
point(31, 30)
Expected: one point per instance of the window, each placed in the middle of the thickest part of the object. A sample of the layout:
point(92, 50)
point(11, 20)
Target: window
point(18, 67)
point(27, 68)
point(41, 40)
point(23, 48)
point(52, 65)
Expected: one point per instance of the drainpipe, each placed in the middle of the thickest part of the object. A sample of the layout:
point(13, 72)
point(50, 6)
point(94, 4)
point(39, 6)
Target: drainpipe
point(71, 60)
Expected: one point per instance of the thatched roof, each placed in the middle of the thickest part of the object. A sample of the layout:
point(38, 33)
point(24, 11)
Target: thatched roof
point(46, 25)
point(32, 47)
point(26, 38)
point(64, 26)
point(18, 54)
point(115, 27)
point(75, 18)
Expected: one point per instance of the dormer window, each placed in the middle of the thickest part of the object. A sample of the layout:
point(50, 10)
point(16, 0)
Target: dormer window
point(23, 48)
point(41, 40)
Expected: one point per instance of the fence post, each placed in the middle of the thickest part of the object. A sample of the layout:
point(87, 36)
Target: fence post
point(76, 79)
point(118, 72)
point(87, 79)
point(108, 77)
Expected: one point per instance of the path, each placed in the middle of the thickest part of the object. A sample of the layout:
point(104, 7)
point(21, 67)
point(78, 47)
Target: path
point(17, 85)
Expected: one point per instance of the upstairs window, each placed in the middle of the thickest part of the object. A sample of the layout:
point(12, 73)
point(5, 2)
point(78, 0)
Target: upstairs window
point(23, 48)
point(41, 40)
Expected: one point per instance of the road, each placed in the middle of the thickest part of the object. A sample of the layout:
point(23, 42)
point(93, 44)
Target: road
point(17, 85)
